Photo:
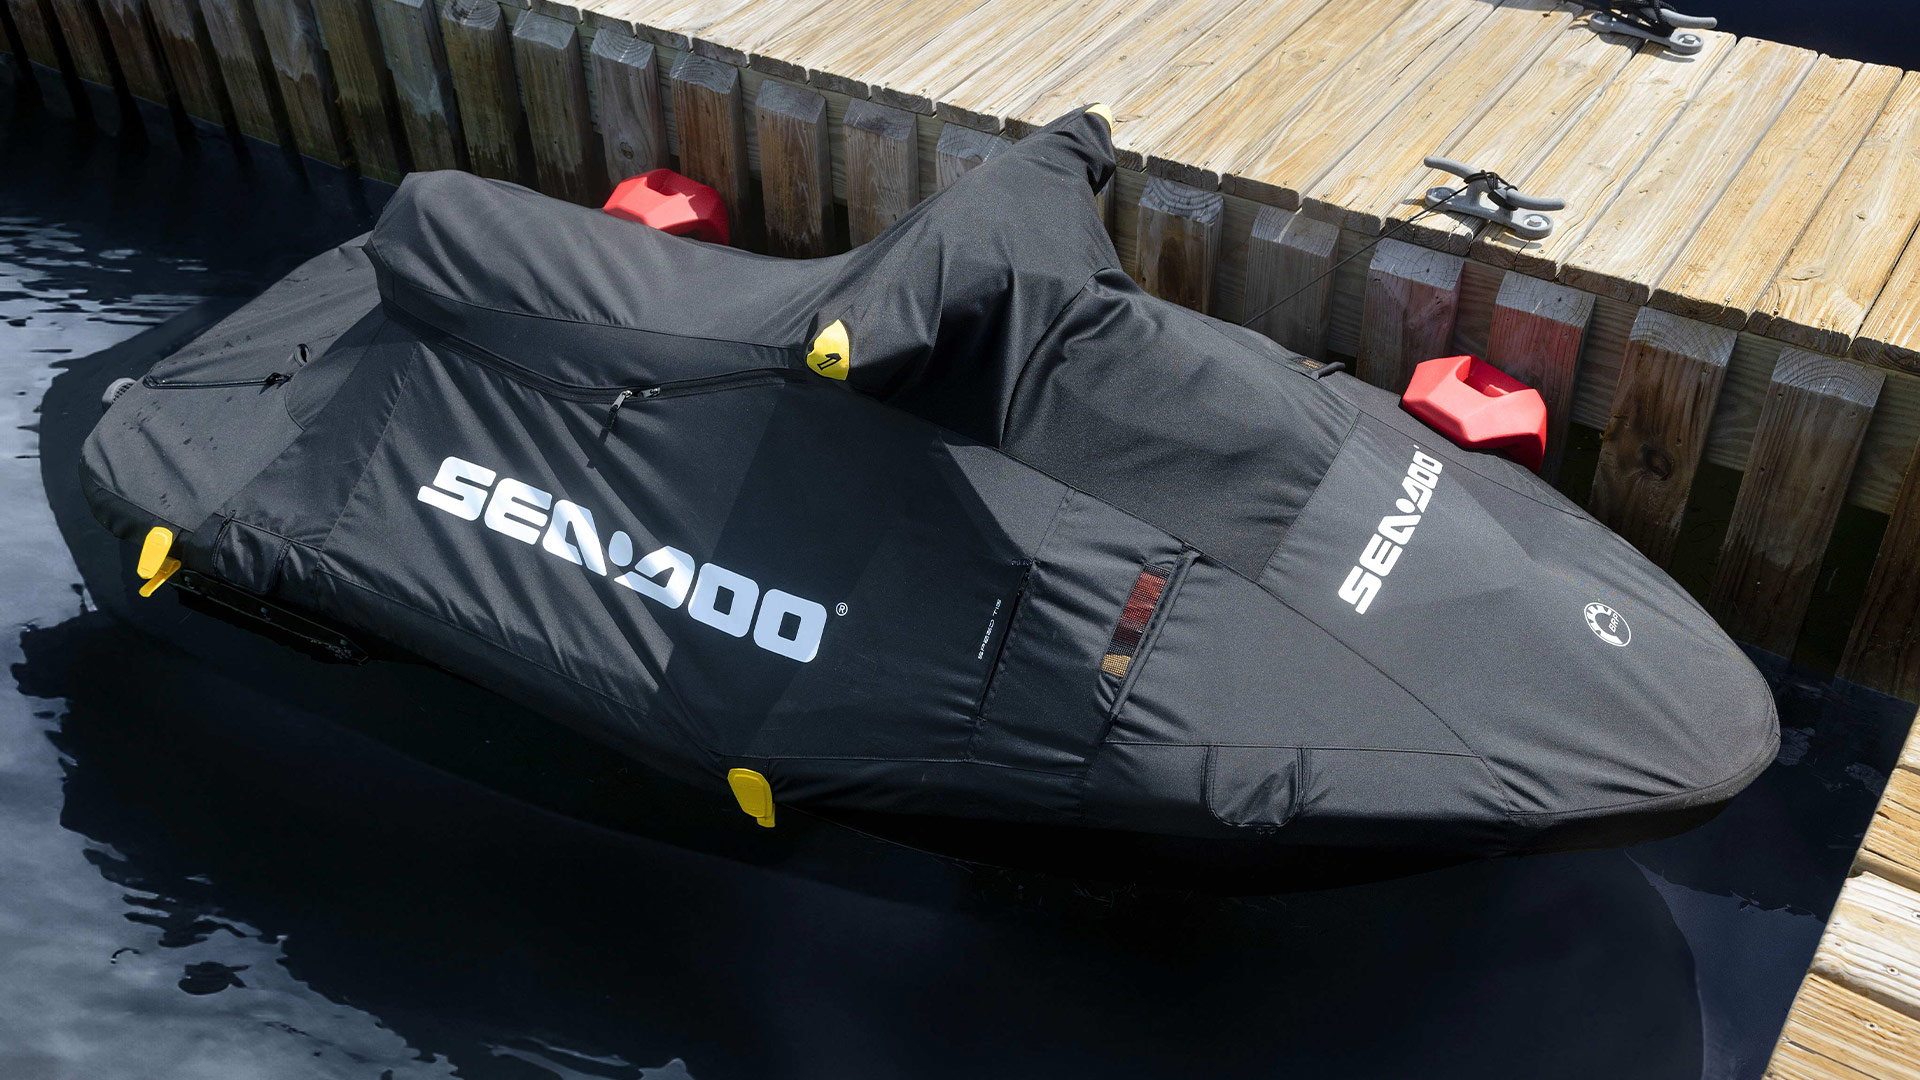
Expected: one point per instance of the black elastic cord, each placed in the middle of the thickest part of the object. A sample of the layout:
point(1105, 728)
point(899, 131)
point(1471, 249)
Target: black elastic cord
point(1635, 12)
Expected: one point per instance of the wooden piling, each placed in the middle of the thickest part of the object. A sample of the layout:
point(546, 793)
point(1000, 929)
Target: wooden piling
point(1180, 230)
point(367, 104)
point(130, 34)
point(245, 69)
point(480, 61)
point(1809, 435)
point(1662, 403)
point(796, 173)
point(626, 82)
point(960, 150)
point(713, 134)
point(292, 37)
point(92, 58)
point(553, 92)
point(1538, 329)
point(192, 66)
point(883, 167)
point(1412, 297)
point(1883, 650)
point(1289, 289)
point(44, 57)
point(416, 60)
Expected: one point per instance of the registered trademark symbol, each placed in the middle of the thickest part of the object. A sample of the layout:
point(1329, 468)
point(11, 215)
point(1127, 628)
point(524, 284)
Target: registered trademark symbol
point(840, 608)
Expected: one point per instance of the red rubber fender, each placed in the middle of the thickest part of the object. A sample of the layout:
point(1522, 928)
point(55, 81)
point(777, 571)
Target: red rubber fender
point(1480, 407)
point(671, 203)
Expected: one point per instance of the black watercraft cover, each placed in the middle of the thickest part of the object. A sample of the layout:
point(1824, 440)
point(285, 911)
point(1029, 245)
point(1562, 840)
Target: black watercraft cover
point(1031, 547)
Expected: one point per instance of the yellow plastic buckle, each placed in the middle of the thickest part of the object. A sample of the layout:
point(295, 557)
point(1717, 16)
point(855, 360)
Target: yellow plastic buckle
point(155, 565)
point(1102, 110)
point(754, 793)
point(832, 352)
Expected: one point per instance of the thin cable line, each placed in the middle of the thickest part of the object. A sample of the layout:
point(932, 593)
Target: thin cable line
point(1364, 248)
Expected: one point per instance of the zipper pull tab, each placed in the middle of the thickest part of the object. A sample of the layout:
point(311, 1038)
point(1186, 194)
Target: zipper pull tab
point(613, 414)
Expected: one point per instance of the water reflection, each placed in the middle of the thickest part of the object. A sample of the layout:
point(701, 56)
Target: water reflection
point(216, 861)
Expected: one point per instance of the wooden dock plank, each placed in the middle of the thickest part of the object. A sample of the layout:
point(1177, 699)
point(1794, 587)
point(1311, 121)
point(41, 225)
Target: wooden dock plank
point(746, 33)
point(843, 51)
point(1517, 131)
point(1792, 1061)
point(923, 78)
point(1854, 1032)
point(1587, 165)
point(1642, 230)
point(672, 24)
point(1380, 171)
point(1296, 77)
point(1891, 335)
point(1164, 101)
point(1872, 943)
point(1893, 838)
point(1736, 250)
point(1298, 152)
point(1075, 36)
point(1821, 295)
point(1144, 43)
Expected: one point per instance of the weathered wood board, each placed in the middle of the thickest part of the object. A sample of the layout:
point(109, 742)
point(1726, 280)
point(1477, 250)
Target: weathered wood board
point(416, 59)
point(1733, 254)
point(1835, 272)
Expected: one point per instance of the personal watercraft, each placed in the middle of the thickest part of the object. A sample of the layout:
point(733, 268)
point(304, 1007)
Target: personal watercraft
point(959, 527)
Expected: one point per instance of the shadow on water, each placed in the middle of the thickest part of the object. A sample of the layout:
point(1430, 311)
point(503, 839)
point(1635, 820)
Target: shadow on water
point(508, 941)
point(222, 861)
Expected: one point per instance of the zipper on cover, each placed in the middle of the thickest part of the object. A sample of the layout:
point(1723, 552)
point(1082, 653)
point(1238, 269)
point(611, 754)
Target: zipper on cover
point(268, 382)
point(616, 396)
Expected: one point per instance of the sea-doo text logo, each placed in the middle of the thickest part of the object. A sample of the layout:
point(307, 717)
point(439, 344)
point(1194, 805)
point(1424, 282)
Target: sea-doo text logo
point(784, 623)
point(1395, 530)
point(1608, 625)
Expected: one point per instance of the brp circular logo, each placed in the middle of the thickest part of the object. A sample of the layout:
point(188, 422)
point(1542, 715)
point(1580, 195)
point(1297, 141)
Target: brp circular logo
point(1608, 625)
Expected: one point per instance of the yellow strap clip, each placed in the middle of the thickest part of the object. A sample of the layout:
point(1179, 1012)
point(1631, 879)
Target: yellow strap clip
point(155, 565)
point(754, 793)
point(832, 352)
point(1104, 111)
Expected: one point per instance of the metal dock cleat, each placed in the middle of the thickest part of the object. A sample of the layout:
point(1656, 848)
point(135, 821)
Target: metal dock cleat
point(1650, 20)
point(1483, 194)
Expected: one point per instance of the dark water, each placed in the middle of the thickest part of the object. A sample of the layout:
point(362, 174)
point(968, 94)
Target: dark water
point(1880, 31)
point(211, 868)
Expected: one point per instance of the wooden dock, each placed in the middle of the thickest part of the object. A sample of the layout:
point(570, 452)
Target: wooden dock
point(1857, 1016)
point(1734, 284)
